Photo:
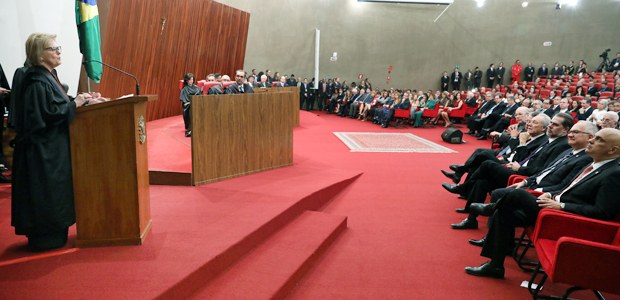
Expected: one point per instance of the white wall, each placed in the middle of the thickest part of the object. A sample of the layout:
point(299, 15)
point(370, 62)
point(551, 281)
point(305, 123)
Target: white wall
point(20, 18)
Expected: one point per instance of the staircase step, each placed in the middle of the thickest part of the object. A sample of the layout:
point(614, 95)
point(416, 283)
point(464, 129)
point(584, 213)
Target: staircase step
point(273, 268)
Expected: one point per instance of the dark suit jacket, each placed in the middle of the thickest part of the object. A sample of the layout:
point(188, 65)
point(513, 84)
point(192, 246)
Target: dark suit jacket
point(280, 84)
point(484, 107)
point(544, 157)
point(234, 89)
point(510, 110)
point(543, 72)
point(491, 74)
point(583, 116)
point(549, 112)
point(529, 73)
point(500, 73)
point(454, 77)
point(556, 71)
point(521, 152)
point(560, 177)
point(444, 81)
point(595, 195)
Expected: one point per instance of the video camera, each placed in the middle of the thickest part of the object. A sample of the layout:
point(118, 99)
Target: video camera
point(604, 54)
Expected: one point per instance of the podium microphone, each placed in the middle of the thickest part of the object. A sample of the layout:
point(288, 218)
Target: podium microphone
point(118, 70)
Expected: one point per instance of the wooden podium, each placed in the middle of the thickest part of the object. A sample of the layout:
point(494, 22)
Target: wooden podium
point(110, 173)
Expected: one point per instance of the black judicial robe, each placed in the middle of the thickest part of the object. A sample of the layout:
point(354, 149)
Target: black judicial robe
point(42, 193)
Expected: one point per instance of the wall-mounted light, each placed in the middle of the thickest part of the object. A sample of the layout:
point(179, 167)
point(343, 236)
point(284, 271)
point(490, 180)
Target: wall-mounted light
point(524, 4)
point(479, 3)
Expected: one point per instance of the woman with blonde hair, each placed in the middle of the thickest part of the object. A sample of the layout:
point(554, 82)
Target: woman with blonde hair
point(42, 192)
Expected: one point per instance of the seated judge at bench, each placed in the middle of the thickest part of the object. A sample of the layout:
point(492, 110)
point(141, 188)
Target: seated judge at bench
point(239, 87)
point(189, 89)
point(42, 194)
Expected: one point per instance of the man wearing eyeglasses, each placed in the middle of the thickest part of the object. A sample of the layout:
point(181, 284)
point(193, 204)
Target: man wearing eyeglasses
point(240, 86)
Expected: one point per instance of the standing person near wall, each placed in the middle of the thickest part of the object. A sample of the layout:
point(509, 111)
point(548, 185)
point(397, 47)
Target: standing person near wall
point(491, 76)
point(477, 77)
point(516, 71)
point(42, 193)
point(529, 72)
point(500, 73)
point(445, 80)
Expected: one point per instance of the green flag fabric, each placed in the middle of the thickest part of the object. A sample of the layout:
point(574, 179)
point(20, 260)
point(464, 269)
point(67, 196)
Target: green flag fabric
point(87, 19)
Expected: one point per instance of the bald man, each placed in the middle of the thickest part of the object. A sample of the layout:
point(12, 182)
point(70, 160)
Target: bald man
point(592, 193)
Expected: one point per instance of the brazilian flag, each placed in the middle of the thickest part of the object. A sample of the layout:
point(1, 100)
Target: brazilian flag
point(87, 19)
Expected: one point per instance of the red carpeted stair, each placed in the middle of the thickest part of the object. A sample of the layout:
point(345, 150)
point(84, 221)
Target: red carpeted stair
point(273, 268)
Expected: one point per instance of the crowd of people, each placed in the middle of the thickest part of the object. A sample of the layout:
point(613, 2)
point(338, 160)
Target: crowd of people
point(568, 164)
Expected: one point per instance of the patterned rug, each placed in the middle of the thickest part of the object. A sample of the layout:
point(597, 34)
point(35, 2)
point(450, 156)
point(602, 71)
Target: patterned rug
point(389, 142)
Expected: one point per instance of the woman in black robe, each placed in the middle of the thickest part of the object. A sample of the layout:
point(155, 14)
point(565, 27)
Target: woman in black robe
point(189, 89)
point(42, 193)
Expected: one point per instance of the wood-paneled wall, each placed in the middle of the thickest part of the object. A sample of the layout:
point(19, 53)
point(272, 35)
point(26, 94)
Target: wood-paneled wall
point(160, 40)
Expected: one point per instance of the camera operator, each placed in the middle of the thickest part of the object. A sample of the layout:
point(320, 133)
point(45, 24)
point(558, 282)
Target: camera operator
point(614, 65)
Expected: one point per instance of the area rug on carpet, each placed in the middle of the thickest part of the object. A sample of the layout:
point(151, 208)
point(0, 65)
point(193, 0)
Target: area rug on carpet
point(389, 142)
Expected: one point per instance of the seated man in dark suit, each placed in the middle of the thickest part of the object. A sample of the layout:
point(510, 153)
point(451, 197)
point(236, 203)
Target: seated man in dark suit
point(216, 89)
point(475, 120)
point(489, 118)
point(282, 82)
point(239, 87)
point(553, 178)
point(492, 175)
point(586, 109)
point(502, 121)
point(509, 139)
point(592, 193)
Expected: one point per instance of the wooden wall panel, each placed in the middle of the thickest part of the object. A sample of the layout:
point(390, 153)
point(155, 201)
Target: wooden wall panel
point(235, 135)
point(199, 36)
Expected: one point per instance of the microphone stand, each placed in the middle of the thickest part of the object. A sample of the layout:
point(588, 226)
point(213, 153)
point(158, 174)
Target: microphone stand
point(118, 70)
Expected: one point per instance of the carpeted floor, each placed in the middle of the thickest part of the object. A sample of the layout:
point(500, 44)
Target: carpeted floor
point(398, 244)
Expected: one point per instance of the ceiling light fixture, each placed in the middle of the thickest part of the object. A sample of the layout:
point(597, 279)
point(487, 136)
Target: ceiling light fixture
point(524, 4)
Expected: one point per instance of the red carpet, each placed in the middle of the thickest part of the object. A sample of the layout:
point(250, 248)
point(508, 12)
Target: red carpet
point(207, 242)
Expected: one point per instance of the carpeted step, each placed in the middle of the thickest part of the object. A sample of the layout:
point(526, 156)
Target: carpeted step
point(272, 269)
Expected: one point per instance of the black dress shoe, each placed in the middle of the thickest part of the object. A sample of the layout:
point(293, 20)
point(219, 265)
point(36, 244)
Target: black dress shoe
point(457, 168)
point(482, 209)
point(188, 133)
point(486, 270)
point(462, 210)
point(3, 169)
point(466, 224)
point(462, 197)
point(482, 138)
point(4, 179)
point(452, 188)
point(455, 178)
point(478, 243)
point(470, 132)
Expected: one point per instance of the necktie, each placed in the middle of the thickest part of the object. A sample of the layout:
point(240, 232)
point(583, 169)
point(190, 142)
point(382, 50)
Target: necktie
point(525, 160)
point(583, 174)
point(552, 167)
point(241, 89)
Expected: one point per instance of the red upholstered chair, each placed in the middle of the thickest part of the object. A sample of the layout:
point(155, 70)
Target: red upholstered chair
point(578, 98)
point(598, 85)
point(273, 84)
point(226, 84)
point(201, 83)
point(578, 251)
point(545, 93)
point(606, 95)
point(181, 84)
point(429, 114)
point(400, 116)
point(458, 113)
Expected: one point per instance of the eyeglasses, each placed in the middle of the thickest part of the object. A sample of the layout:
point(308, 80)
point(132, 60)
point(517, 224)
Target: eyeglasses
point(239, 76)
point(576, 132)
point(58, 48)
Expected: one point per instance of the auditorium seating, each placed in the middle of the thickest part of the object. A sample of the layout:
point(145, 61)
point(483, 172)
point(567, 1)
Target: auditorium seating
point(578, 251)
